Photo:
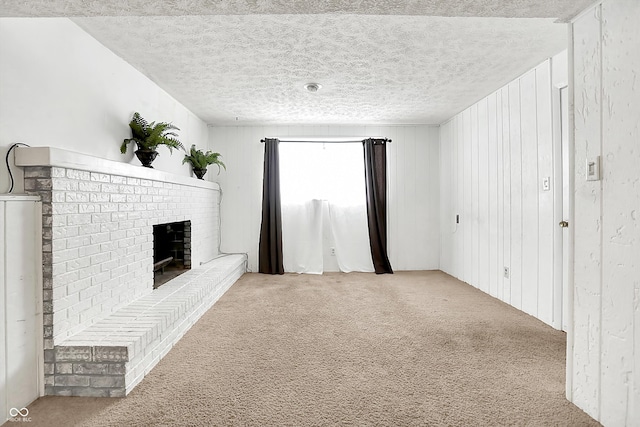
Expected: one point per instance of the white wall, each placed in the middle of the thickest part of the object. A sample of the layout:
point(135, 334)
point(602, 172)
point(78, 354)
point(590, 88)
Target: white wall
point(413, 172)
point(59, 87)
point(494, 157)
point(606, 327)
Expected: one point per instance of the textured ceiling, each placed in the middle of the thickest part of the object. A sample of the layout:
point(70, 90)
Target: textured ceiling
point(373, 69)
point(379, 61)
point(559, 9)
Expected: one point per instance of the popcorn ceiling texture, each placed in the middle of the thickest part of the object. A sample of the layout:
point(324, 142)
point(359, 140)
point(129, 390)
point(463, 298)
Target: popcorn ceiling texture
point(562, 9)
point(374, 69)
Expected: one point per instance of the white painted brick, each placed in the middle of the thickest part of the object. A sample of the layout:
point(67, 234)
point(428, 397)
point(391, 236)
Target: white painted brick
point(117, 235)
point(118, 198)
point(146, 183)
point(126, 225)
point(126, 189)
point(108, 227)
point(88, 250)
point(109, 188)
point(66, 302)
point(59, 269)
point(78, 308)
point(98, 197)
point(64, 255)
point(78, 285)
point(100, 278)
point(57, 172)
point(129, 241)
point(99, 238)
point(119, 271)
point(100, 218)
point(78, 263)
point(76, 197)
point(57, 293)
point(89, 271)
point(77, 174)
point(64, 185)
point(79, 219)
point(87, 293)
point(109, 265)
point(100, 177)
point(109, 207)
point(88, 208)
point(89, 187)
point(100, 258)
point(118, 179)
point(64, 208)
point(77, 242)
point(59, 244)
point(133, 181)
point(89, 229)
point(58, 197)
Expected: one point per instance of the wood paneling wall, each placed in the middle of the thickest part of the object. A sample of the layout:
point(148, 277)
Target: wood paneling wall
point(413, 186)
point(494, 158)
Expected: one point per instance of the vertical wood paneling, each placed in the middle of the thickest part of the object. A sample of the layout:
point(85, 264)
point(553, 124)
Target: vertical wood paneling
point(483, 196)
point(500, 196)
point(506, 176)
point(458, 237)
point(546, 222)
point(516, 194)
point(529, 138)
point(475, 189)
point(504, 145)
point(492, 211)
point(467, 215)
point(446, 186)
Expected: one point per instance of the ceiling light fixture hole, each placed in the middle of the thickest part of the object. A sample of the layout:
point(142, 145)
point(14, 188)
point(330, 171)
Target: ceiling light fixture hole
point(312, 87)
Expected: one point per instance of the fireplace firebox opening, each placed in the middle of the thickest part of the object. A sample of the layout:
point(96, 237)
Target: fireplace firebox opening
point(171, 251)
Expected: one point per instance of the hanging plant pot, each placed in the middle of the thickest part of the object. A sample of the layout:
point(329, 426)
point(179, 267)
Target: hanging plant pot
point(146, 157)
point(199, 172)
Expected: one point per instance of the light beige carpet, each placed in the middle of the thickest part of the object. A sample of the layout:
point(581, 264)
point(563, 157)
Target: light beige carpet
point(410, 349)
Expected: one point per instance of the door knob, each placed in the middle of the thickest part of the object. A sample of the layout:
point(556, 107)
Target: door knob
point(563, 224)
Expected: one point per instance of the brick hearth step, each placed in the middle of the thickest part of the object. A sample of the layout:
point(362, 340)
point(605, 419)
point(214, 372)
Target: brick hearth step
point(109, 358)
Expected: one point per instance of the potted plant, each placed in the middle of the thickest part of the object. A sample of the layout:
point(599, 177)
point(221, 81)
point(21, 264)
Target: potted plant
point(148, 136)
point(199, 161)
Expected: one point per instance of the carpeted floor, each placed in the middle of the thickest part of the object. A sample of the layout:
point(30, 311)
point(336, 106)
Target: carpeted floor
point(409, 349)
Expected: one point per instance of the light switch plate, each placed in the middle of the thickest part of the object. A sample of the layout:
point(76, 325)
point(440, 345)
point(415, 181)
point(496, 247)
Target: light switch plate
point(546, 184)
point(593, 169)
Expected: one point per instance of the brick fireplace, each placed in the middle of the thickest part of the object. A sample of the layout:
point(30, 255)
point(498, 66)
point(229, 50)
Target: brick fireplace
point(98, 252)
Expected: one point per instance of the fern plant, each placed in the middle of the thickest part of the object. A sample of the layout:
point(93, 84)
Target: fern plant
point(200, 160)
point(148, 136)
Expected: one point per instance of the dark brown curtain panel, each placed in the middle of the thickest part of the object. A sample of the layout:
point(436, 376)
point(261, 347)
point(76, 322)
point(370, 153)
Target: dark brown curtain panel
point(375, 173)
point(270, 249)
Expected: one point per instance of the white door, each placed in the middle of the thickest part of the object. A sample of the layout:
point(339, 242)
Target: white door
point(564, 138)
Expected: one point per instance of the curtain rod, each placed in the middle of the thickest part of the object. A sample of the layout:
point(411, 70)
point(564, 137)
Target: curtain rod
point(327, 141)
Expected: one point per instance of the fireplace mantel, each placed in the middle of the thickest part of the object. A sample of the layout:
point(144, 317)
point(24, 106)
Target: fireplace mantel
point(56, 157)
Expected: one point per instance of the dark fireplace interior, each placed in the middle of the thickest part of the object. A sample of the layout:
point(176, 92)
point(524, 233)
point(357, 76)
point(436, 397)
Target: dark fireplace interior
point(171, 251)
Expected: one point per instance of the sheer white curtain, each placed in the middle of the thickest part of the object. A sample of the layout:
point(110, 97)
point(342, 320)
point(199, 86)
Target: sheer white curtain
point(314, 174)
